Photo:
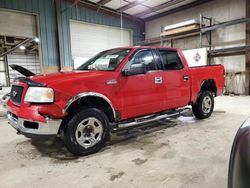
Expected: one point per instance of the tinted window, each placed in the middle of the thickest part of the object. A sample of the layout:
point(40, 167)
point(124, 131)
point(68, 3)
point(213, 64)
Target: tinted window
point(170, 60)
point(146, 57)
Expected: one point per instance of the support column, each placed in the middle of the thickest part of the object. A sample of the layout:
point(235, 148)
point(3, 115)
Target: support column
point(59, 34)
point(247, 76)
point(7, 73)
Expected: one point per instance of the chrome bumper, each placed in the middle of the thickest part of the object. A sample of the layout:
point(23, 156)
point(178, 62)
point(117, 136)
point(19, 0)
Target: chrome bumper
point(24, 126)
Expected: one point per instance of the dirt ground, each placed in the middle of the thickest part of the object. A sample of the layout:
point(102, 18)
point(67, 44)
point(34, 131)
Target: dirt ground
point(175, 153)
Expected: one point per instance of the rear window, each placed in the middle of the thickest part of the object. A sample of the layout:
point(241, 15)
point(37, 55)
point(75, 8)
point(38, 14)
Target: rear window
point(170, 60)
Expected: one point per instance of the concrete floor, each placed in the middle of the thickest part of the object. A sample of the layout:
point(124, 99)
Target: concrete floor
point(182, 152)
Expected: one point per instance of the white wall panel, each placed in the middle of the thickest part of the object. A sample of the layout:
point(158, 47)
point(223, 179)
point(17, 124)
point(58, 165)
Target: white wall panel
point(17, 24)
point(89, 39)
point(2, 74)
point(221, 11)
point(30, 62)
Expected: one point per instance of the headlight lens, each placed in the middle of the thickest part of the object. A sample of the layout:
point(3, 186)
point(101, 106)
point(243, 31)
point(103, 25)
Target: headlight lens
point(39, 95)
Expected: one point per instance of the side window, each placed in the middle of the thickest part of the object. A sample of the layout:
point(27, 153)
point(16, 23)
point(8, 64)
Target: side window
point(170, 60)
point(146, 57)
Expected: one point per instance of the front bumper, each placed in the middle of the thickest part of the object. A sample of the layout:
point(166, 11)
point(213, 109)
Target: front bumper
point(31, 128)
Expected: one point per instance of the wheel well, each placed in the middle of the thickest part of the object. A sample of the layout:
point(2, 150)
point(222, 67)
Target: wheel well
point(209, 85)
point(92, 102)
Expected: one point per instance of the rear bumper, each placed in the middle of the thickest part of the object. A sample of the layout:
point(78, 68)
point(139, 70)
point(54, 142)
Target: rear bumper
point(31, 128)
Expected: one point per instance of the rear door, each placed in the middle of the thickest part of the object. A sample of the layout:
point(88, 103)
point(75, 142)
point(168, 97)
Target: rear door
point(142, 94)
point(176, 79)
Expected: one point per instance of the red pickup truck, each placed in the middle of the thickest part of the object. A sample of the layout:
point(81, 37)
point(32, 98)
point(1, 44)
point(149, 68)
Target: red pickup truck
point(117, 89)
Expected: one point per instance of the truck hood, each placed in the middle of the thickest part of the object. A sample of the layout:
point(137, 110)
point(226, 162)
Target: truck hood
point(53, 78)
point(22, 70)
point(71, 77)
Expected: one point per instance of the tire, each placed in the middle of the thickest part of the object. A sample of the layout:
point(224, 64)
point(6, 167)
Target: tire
point(86, 131)
point(204, 106)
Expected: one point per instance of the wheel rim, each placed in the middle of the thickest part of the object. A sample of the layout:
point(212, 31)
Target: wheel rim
point(206, 104)
point(89, 132)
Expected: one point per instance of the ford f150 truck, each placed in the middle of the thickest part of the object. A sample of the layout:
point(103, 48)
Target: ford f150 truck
point(116, 89)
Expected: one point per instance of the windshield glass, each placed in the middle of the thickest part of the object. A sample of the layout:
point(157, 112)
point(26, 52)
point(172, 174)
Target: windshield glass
point(105, 61)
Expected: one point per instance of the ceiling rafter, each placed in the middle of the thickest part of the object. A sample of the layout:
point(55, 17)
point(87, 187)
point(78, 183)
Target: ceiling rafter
point(106, 10)
point(177, 9)
point(130, 5)
point(139, 16)
point(159, 7)
point(103, 2)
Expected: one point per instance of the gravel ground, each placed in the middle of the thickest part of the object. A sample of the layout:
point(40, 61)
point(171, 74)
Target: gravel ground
point(175, 153)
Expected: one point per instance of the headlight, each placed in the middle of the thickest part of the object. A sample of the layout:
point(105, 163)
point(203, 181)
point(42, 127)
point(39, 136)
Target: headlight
point(39, 95)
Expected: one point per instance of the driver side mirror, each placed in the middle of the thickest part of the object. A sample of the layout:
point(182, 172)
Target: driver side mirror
point(135, 69)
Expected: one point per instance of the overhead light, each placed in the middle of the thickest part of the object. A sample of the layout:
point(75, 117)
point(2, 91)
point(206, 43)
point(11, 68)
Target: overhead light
point(22, 47)
point(36, 40)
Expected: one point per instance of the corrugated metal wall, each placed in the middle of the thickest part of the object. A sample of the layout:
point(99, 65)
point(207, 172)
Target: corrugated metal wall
point(45, 9)
point(86, 15)
point(29, 61)
point(2, 72)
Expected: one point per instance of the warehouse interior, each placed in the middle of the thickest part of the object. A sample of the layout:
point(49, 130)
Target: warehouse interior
point(48, 36)
point(222, 30)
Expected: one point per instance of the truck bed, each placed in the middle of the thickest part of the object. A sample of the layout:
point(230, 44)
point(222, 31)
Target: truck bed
point(201, 73)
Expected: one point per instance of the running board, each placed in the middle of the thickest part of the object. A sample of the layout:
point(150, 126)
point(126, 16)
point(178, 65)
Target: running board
point(147, 119)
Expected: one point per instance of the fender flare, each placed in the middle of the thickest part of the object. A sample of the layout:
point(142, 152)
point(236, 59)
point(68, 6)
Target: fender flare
point(208, 80)
point(90, 94)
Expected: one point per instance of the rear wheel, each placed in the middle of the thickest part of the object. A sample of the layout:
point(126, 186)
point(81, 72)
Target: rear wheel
point(86, 132)
point(204, 106)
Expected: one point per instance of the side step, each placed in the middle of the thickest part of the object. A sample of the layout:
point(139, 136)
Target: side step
point(146, 119)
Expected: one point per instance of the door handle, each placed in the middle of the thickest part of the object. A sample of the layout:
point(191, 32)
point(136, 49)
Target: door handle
point(185, 77)
point(158, 80)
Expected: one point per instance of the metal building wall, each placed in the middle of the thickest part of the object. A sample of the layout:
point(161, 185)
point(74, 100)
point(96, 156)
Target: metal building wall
point(82, 14)
point(45, 9)
point(2, 72)
point(232, 36)
point(28, 61)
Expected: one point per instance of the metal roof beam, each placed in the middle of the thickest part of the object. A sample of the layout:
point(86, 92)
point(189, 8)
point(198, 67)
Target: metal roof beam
point(229, 51)
point(225, 24)
point(177, 9)
point(159, 7)
point(130, 5)
point(17, 46)
point(106, 10)
point(103, 2)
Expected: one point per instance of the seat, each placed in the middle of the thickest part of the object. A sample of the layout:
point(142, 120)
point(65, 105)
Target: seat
point(112, 64)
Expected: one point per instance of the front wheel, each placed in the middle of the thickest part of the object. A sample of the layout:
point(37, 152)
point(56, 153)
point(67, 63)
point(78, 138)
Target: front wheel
point(86, 132)
point(204, 106)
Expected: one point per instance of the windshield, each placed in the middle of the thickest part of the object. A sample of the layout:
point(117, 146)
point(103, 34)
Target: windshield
point(105, 61)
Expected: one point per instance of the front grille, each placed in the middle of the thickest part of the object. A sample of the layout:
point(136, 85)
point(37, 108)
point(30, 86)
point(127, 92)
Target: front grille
point(16, 94)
